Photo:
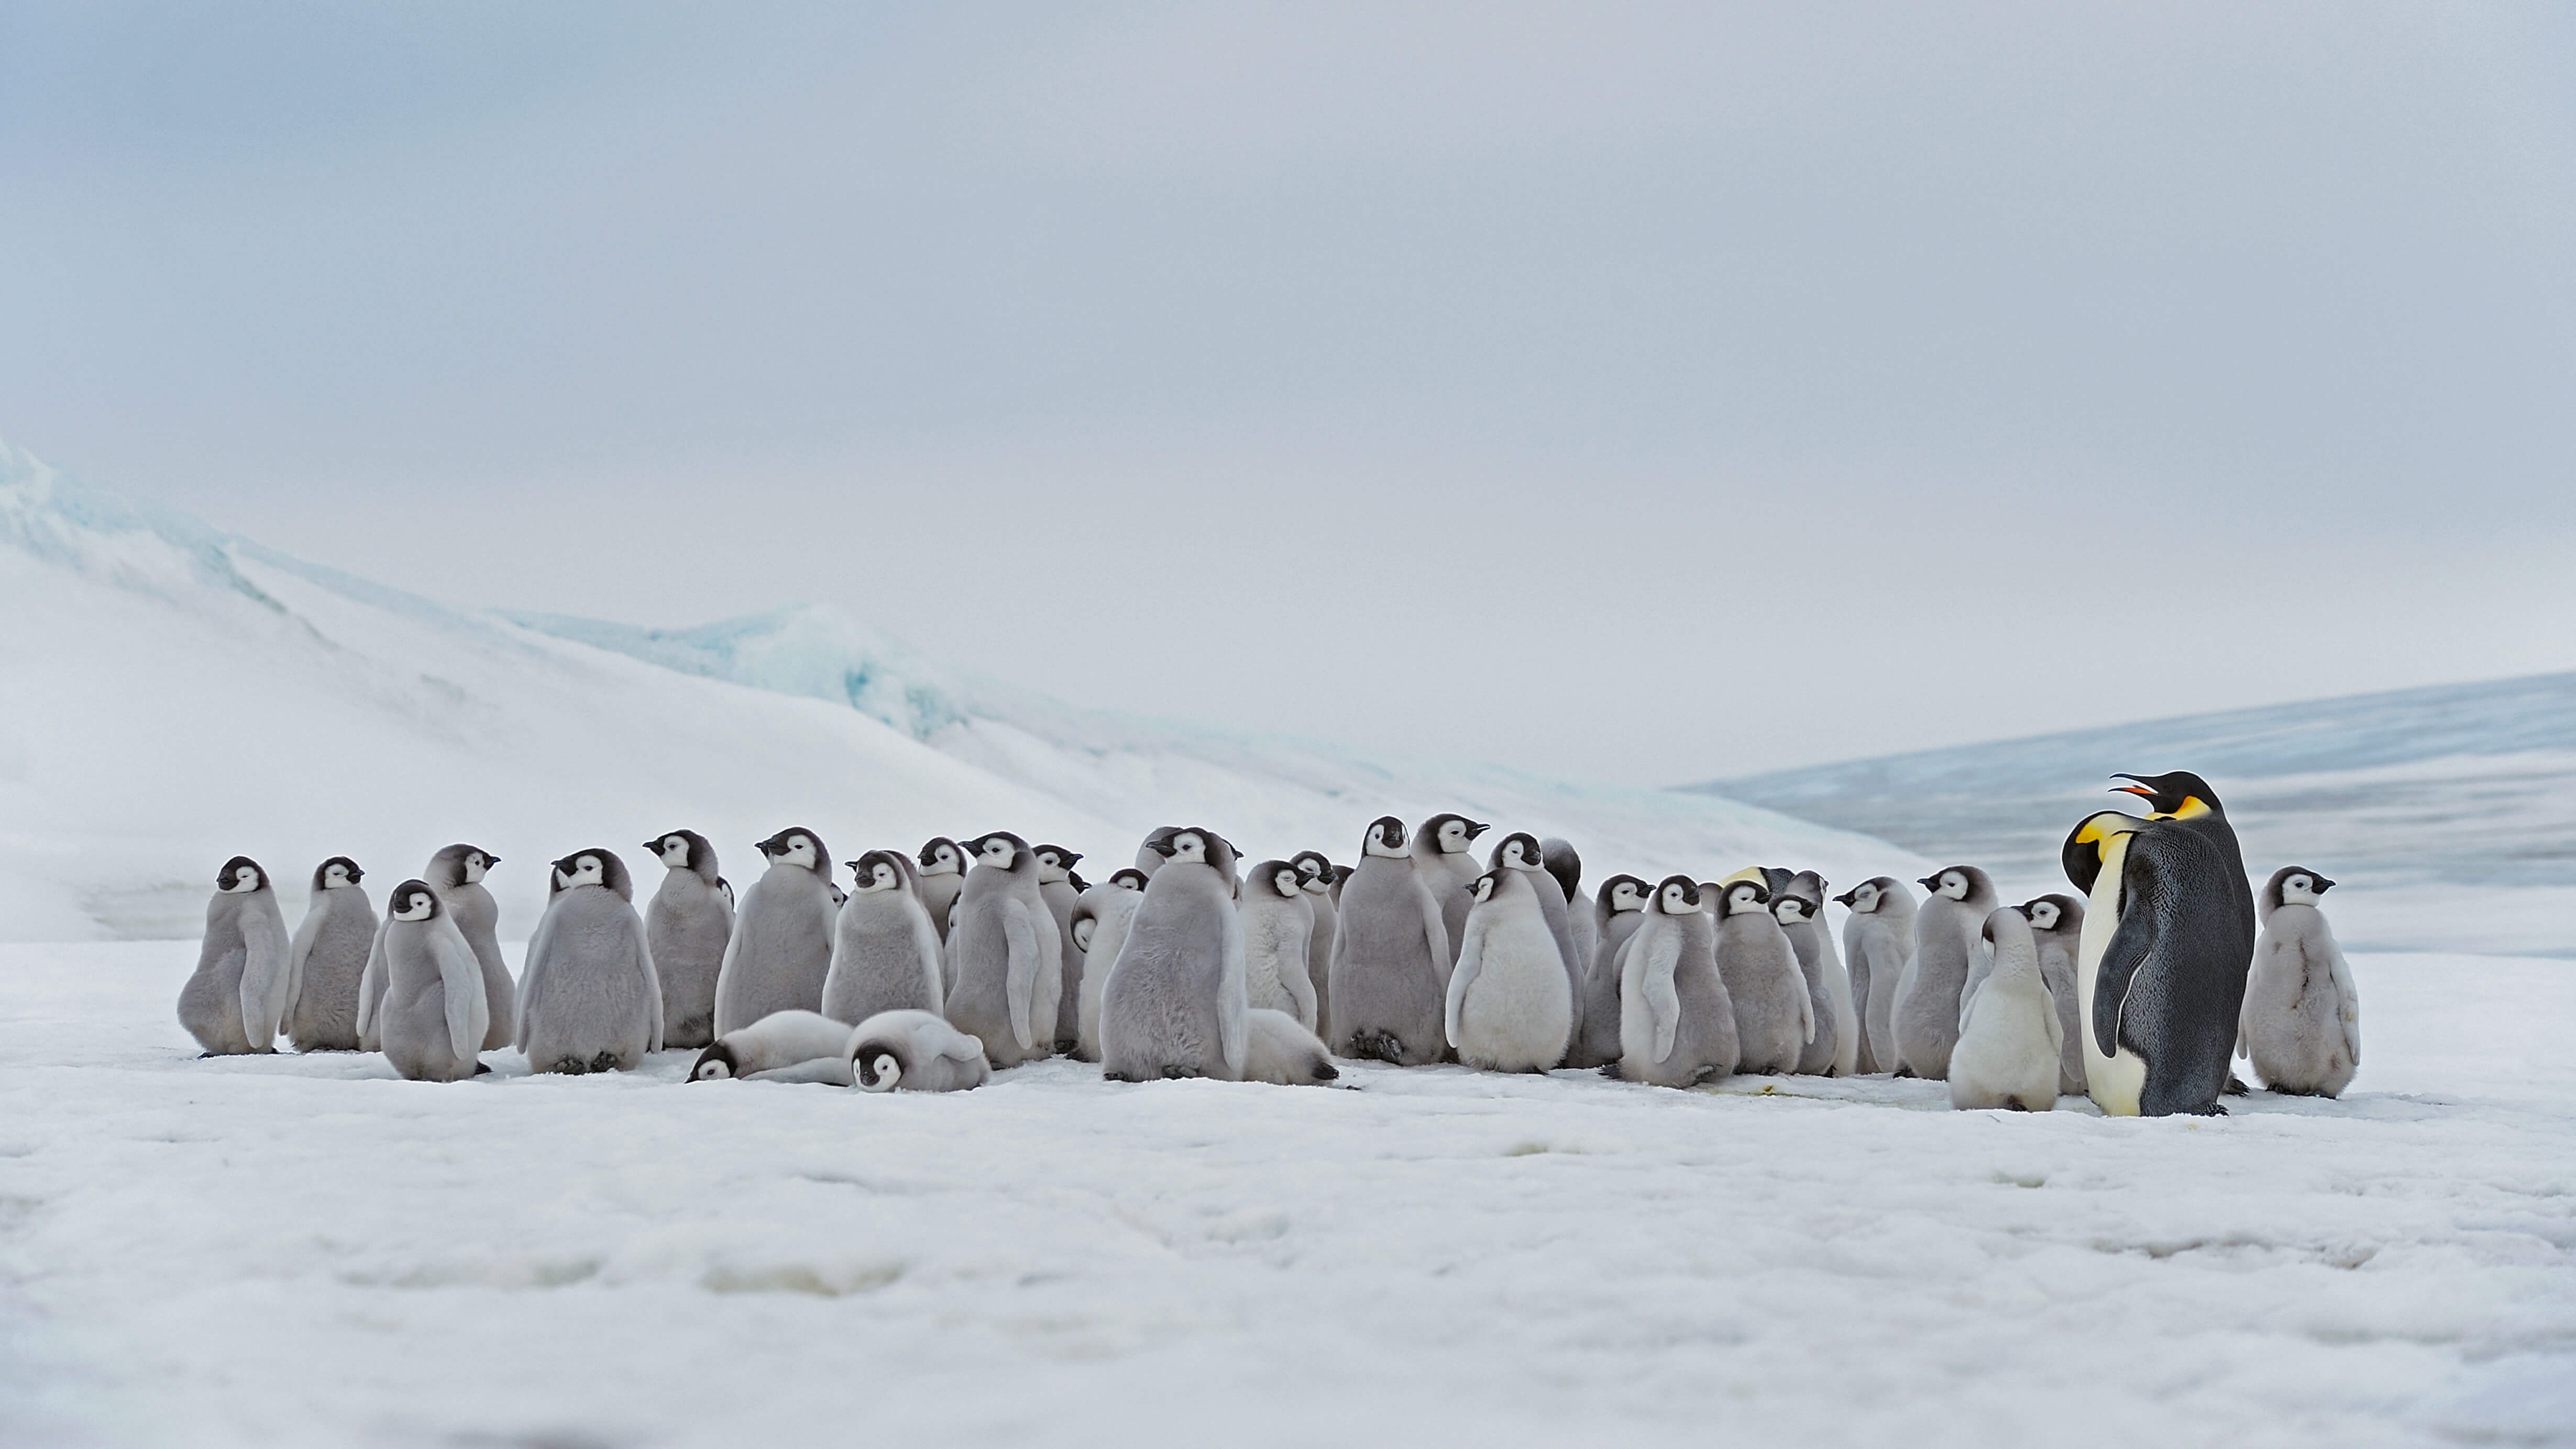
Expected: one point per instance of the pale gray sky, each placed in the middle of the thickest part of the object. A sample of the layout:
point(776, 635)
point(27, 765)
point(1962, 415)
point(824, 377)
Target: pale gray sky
point(1625, 392)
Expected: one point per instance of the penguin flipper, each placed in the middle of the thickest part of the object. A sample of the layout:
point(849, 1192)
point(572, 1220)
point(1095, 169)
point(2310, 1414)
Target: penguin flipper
point(2131, 944)
point(1462, 977)
point(532, 977)
point(1661, 998)
point(264, 974)
point(460, 978)
point(1020, 975)
point(2348, 1002)
point(643, 948)
point(371, 986)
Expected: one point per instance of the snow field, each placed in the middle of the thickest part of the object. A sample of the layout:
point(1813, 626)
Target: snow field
point(305, 1250)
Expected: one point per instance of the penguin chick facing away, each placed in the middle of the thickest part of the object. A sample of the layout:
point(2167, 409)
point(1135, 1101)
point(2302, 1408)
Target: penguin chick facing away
point(2302, 1020)
point(1174, 1005)
point(1391, 959)
point(1100, 921)
point(1877, 938)
point(782, 1046)
point(1278, 922)
point(885, 952)
point(1509, 1005)
point(589, 1000)
point(2007, 1054)
point(782, 936)
point(436, 1010)
point(1774, 1019)
point(1279, 1050)
point(327, 961)
point(1946, 930)
point(1676, 1024)
point(687, 928)
point(915, 1051)
point(234, 1001)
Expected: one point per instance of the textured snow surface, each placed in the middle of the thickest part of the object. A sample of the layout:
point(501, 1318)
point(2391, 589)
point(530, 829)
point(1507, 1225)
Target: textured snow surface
point(288, 1251)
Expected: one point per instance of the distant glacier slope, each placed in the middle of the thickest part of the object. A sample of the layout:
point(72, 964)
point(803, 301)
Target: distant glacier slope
point(176, 695)
point(2449, 811)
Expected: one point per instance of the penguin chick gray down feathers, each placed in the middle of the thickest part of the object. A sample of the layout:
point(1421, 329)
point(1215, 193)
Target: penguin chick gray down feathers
point(437, 1012)
point(1280, 1051)
point(1391, 958)
point(589, 1000)
point(2301, 1026)
point(915, 1051)
point(781, 947)
point(687, 927)
point(234, 1001)
point(885, 952)
point(1174, 1005)
point(1676, 1026)
point(2007, 1053)
point(327, 960)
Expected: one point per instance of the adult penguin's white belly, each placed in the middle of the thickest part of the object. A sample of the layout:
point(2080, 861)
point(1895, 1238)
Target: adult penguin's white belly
point(2113, 1082)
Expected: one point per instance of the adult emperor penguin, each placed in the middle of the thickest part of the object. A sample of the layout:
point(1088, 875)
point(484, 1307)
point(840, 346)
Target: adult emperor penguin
point(943, 879)
point(2168, 936)
point(1565, 867)
point(1774, 1020)
point(885, 953)
point(2301, 1026)
point(237, 996)
point(784, 1046)
point(327, 961)
point(781, 948)
point(589, 1000)
point(2056, 927)
point(1059, 1004)
point(1175, 1006)
point(1442, 852)
point(1800, 909)
point(1510, 1007)
point(1278, 924)
point(1521, 851)
point(1946, 931)
point(2007, 1051)
point(1003, 942)
point(1617, 910)
point(456, 873)
point(1277, 1050)
point(1877, 937)
point(1316, 878)
point(1391, 960)
point(915, 1051)
point(1676, 1023)
point(687, 927)
point(436, 1008)
point(1100, 921)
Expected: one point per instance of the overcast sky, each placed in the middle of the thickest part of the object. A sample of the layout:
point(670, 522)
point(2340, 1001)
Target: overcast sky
point(1629, 393)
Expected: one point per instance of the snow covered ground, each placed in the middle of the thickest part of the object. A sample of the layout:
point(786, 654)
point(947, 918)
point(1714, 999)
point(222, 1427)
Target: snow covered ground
point(288, 1251)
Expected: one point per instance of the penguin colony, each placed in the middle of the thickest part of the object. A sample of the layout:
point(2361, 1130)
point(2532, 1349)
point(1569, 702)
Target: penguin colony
point(942, 965)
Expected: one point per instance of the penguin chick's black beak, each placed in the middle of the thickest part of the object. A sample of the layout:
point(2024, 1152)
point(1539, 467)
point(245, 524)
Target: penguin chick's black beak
point(2323, 885)
point(1930, 882)
point(1846, 897)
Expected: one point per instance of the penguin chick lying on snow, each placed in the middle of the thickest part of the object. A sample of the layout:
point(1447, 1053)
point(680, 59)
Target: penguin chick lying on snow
point(784, 1046)
point(1281, 1051)
point(915, 1051)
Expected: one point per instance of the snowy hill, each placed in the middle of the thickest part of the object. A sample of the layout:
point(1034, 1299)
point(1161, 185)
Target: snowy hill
point(177, 695)
point(2449, 813)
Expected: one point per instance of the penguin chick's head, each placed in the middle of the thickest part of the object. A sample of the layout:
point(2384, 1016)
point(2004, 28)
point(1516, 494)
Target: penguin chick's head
point(1519, 851)
point(461, 865)
point(1483, 886)
point(2181, 795)
point(240, 876)
point(1627, 893)
point(2082, 854)
point(1083, 927)
point(684, 850)
point(877, 1065)
point(1746, 898)
point(413, 900)
point(1452, 833)
point(1566, 864)
point(1055, 863)
point(1951, 883)
point(2041, 913)
point(1193, 845)
point(1314, 871)
point(1128, 879)
point(1001, 849)
point(713, 1065)
point(796, 846)
point(1385, 838)
point(1790, 909)
point(2294, 885)
point(1870, 894)
point(337, 873)
point(1677, 896)
point(585, 869)
point(1278, 878)
point(940, 856)
point(878, 870)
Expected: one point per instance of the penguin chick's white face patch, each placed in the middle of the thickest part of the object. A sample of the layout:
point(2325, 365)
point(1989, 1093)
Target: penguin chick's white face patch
point(1677, 902)
point(1626, 897)
point(873, 878)
point(2298, 890)
point(675, 852)
point(1453, 836)
point(1516, 854)
point(1189, 846)
point(882, 1074)
point(1385, 839)
point(1790, 909)
point(997, 851)
point(415, 906)
point(1865, 899)
point(475, 865)
point(586, 870)
point(711, 1071)
point(796, 850)
point(245, 880)
point(335, 877)
point(1083, 931)
point(2043, 915)
point(1130, 879)
point(1482, 888)
point(1954, 885)
point(1287, 882)
point(1742, 899)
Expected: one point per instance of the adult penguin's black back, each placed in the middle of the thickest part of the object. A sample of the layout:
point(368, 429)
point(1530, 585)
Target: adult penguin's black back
point(2170, 978)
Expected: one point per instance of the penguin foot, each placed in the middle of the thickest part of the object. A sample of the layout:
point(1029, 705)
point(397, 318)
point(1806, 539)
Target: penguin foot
point(571, 1066)
point(1178, 1073)
point(481, 1070)
point(1109, 1076)
point(1376, 1046)
point(1902, 1072)
point(606, 1062)
point(2234, 1087)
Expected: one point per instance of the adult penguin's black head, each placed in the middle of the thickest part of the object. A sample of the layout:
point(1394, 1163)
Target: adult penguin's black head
point(2181, 795)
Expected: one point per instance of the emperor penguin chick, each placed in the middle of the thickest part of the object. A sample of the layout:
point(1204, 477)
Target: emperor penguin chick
point(790, 1046)
point(687, 927)
point(1391, 960)
point(1928, 994)
point(2057, 927)
point(1441, 851)
point(437, 1011)
point(1174, 1005)
point(1800, 909)
point(1877, 938)
point(1277, 925)
point(327, 961)
point(1100, 921)
point(1060, 1003)
point(1002, 943)
point(885, 952)
point(1616, 913)
point(1520, 851)
point(2302, 1019)
point(236, 998)
point(1774, 1019)
point(781, 947)
point(1676, 1023)
point(1510, 1008)
point(1565, 867)
point(2007, 1053)
point(943, 879)
point(456, 873)
point(915, 1051)
point(1316, 878)
point(1283, 1053)
point(589, 1000)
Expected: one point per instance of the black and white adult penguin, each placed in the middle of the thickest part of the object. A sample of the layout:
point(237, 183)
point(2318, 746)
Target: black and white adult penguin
point(1442, 851)
point(589, 1000)
point(1278, 924)
point(687, 927)
point(1946, 931)
point(1617, 910)
point(782, 936)
point(1391, 957)
point(436, 1011)
point(1174, 1005)
point(2301, 1026)
point(1002, 942)
point(2168, 937)
point(233, 1002)
point(885, 955)
point(1799, 906)
point(1877, 937)
point(1521, 851)
point(942, 878)
point(456, 872)
point(1060, 1003)
point(1316, 877)
point(1100, 921)
point(327, 961)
